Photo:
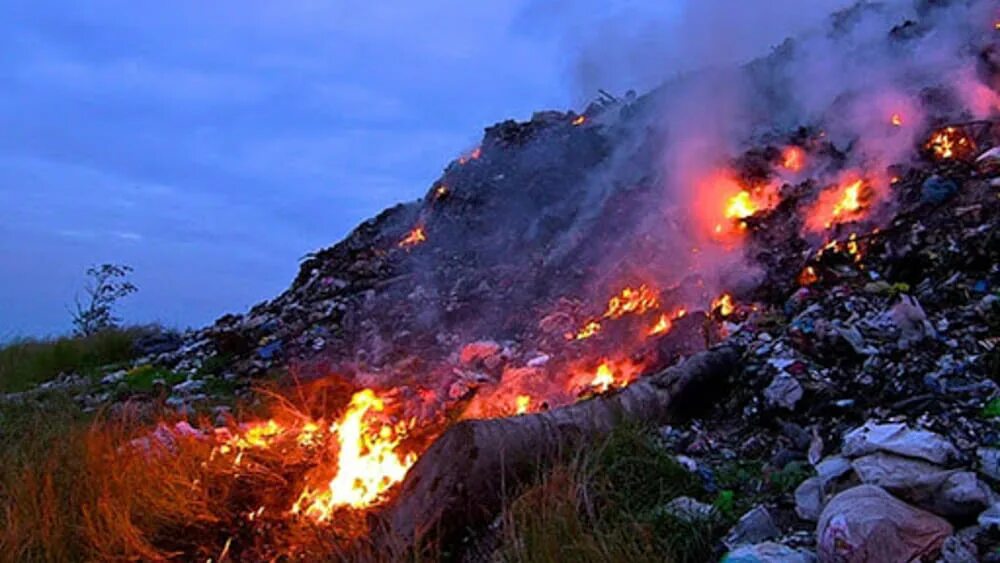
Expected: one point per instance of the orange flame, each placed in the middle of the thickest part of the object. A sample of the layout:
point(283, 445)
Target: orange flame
point(441, 192)
point(897, 120)
point(604, 378)
point(665, 323)
point(723, 203)
point(808, 276)
point(610, 374)
point(588, 330)
point(579, 120)
point(367, 462)
point(724, 305)
point(838, 205)
point(474, 155)
point(521, 403)
point(631, 300)
point(949, 143)
point(793, 158)
point(413, 238)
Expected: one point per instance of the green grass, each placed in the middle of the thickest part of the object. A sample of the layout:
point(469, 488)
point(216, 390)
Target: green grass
point(141, 378)
point(992, 408)
point(27, 362)
point(607, 505)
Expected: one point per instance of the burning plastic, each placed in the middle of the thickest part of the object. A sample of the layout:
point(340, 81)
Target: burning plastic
point(951, 143)
point(844, 203)
point(413, 238)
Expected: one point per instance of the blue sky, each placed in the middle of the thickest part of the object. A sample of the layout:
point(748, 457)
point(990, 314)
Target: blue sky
point(211, 144)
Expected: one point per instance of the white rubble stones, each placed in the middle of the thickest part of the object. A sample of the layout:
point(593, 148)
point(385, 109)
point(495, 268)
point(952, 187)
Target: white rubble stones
point(899, 439)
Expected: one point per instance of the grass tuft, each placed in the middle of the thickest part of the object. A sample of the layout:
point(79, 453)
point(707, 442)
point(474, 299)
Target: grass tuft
point(607, 505)
point(27, 362)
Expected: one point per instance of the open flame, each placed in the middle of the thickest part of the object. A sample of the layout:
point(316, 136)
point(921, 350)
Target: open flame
point(950, 143)
point(413, 238)
point(665, 322)
point(631, 300)
point(579, 120)
point(609, 374)
point(724, 305)
point(604, 378)
point(838, 205)
point(367, 461)
point(522, 403)
point(896, 120)
point(474, 155)
point(793, 158)
point(724, 204)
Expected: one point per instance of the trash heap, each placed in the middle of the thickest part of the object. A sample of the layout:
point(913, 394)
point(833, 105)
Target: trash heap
point(868, 393)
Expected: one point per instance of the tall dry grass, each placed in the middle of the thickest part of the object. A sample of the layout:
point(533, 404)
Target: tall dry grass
point(73, 489)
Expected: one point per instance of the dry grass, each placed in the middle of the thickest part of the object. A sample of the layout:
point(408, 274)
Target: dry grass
point(79, 489)
point(72, 489)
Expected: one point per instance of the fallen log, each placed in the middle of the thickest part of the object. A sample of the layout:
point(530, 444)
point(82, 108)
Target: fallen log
point(464, 477)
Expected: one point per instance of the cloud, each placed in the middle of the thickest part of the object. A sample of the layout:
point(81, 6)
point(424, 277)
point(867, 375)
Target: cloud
point(225, 140)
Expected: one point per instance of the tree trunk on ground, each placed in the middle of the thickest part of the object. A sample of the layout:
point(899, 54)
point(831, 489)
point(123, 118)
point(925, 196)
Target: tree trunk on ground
point(463, 479)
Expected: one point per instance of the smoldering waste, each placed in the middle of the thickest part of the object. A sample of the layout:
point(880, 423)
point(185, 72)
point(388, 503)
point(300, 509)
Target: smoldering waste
point(838, 248)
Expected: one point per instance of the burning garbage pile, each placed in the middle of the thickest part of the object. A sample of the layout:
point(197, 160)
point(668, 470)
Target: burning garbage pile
point(567, 262)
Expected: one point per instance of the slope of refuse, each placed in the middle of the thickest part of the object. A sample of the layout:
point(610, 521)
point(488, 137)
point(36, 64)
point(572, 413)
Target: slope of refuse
point(842, 229)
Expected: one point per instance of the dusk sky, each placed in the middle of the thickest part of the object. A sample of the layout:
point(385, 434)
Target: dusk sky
point(210, 145)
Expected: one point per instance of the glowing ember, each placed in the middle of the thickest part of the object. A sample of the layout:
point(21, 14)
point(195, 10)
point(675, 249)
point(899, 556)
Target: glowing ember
point(852, 247)
point(474, 155)
point(793, 158)
point(837, 205)
point(580, 120)
point(441, 192)
point(724, 305)
point(631, 300)
point(588, 330)
point(808, 276)
point(521, 403)
point(897, 120)
point(367, 462)
point(413, 238)
point(949, 143)
point(665, 323)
